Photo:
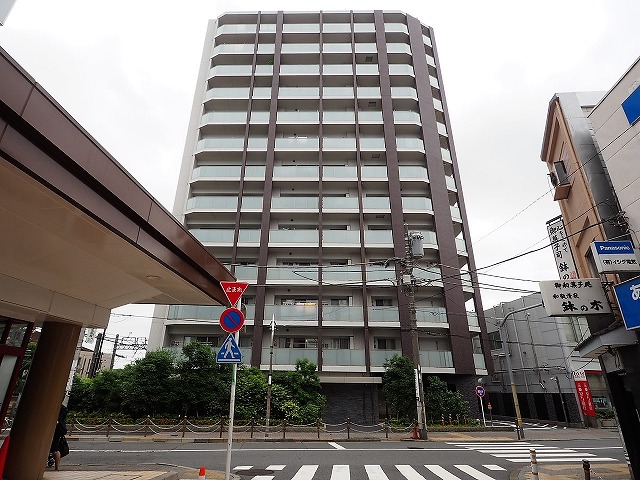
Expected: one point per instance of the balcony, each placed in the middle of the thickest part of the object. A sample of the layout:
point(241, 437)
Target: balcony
point(194, 312)
point(472, 320)
point(369, 92)
point(398, 48)
point(384, 314)
point(419, 204)
point(428, 315)
point(404, 92)
point(227, 93)
point(342, 314)
point(289, 237)
point(227, 171)
point(442, 129)
point(451, 182)
point(366, 48)
point(365, 116)
point(231, 143)
point(329, 116)
point(406, 117)
point(294, 203)
point(364, 27)
point(338, 143)
point(262, 93)
point(300, 48)
point(339, 172)
point(372, 143)
point(367, 69)
point(289, 356)
point(377, 172)
point(341, 275)
point(400, 69)
point(461, 246)
point(411, 172)
point(236, 28)
point(230, 71)
point(259, 117)
point(336, 28)
point(478, 361)
point(380, 276)
point(336, 48)
point(297, 143)
point(396, 28)
point(332, 69)
point(292, 314)
point(378, 237)
point(410, 143)
point(293, 274)
point(337, 92)
point(298, 92)
point(225, 236)
point(300, 69)
point(247, 273)
point(455, 213)
point(343, 358)
point(378, 357)
point(446, 155)
point(234, 48)
point(301, 28)
point(225, 117)
point(436, 359)
point(340, 237)
point(266, 48)
point(376, 203)
point(296, 171)
point(298, 117)
point(340, 203)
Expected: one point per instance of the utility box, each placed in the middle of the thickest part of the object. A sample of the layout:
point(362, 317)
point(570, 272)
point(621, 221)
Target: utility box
point(415, 240)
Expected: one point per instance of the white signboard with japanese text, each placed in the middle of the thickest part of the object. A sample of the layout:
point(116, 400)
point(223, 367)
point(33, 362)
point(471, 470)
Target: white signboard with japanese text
point(568, 298)
point(561, 249)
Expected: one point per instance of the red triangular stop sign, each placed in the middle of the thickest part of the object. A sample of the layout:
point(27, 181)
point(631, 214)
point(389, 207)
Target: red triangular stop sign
point(234, 290)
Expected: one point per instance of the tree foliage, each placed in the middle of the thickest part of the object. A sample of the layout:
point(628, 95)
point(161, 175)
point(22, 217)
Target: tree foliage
point(194, 385)
point(440, 400)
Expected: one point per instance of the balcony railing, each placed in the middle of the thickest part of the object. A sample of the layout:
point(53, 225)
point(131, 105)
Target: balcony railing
point(339, 203)
point(296, 171)
point(349, 358)
point(478, 361)
point(297, 274)
point(289, 356)
point(285, 314)
point(227, 171)
point(340, 237)
point(342, 313)
point(297, 143)
point(436, 359)
point(304, 237)
point(294, 203)
point(339, 171)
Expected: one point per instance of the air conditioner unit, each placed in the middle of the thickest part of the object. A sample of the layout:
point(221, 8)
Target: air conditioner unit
point(560, 180)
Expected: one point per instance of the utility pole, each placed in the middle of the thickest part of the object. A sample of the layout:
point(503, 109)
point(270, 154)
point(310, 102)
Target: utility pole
point(94, 367)
point(113, 354)
point(413, 250)
point(564, 408)
point(514, 393)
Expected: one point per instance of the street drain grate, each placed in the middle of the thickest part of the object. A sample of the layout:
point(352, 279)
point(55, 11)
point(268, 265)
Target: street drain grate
point(253, 472)
point(416, 448)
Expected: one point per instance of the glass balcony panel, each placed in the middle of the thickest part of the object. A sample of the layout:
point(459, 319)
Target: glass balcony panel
point(295, 203)
point(364, 27)
point(465, 279)
point(252, 203)
point(299, 69)
point(384, 314)
point(237, 28)
point(237, 48)
point(396, 27)
point(336, 48)
point(266, 48)
point(442, 129)
point(296, 171)
point(431, 61)
point(340, 92)
point(431, 314)
point(478, 361)
point(267, 28)
point(339, 171)
point(248, 236)
point(301, 28)
point(378, 357)
point(289, 356)
point(230, 70)
point(400, 69)
point(410, 172)
point(426, 40)
point(330, 69)
point(217, 171)
point(258, 143)
point(376, 203)
point(368, 92)
point(336, 28)
point(350, 358)
point(246, 355)
point(297, 143)
point(451, 182)
point(254, 171)
point(227, 92)
point(342, 313)
point(398, 48)
point(340, 203)
point(287, 313)
point(366, 48)
point(472, 319)
point(247, 273)
point(264, 69)
point(261, 92)
point(461, 246)
point(369, 116)
point(455, 212)
point(259, 117)
point(436, 359)
point(300, 48)
point(434, 81)
point(299, 92)
point(416, 203)
point(409, 143)
point(342, 275)
point(372, 143)
point(195, 312)
point(225, 117)
point(438, 104)
point(406, 117)
point(378, 237)
point(366, 69)
point(298, 274)
point(306, 237)
point(220, 143)
point(348, 237)
point(212, 235)
point(398, 92)
point(446, 155)
point(298, 117)
point(337, 143)
point(213, 202)
point(374, 172)
point(380, 275)
point(250, 309)
point(329, 116)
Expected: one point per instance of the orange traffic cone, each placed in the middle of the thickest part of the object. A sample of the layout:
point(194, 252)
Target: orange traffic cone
point(3, 454)
point(202, 474)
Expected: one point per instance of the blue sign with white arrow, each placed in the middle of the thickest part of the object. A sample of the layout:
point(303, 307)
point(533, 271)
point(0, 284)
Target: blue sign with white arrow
point(628, 295)
point(229, 352)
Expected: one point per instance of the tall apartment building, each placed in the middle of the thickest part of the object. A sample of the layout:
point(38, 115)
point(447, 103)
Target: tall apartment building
point(314, 138)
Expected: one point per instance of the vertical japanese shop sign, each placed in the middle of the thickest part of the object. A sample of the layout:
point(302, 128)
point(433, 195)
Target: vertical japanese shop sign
point(584, 393)
point(561, 249)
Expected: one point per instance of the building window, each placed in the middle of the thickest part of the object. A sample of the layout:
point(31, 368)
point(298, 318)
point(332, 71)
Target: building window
point(337, 343)
point(494, 341)
point(384, 343)
point(297, 342)
point(208, 340)
point(383, 302)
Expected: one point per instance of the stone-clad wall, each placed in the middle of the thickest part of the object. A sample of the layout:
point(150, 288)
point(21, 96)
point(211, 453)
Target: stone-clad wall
point(358, 402)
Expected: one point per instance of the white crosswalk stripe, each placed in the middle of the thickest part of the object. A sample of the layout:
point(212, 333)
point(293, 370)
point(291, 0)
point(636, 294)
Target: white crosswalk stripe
point(373, 472)
point(520, 452)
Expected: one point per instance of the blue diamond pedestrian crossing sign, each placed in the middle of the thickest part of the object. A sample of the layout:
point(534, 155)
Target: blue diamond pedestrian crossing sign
point(229, 352)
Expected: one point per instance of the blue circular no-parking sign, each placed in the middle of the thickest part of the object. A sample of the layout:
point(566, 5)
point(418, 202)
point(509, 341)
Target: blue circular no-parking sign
point(231, 320)
point(480, 391)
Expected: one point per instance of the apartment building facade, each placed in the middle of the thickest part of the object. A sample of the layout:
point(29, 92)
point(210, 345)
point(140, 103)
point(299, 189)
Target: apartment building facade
point(314, 139)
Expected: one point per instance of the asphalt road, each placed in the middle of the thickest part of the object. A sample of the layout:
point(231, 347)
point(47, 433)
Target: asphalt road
point(386, 460)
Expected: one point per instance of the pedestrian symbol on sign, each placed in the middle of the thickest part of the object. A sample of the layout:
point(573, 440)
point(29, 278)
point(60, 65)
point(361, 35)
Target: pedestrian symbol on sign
point(229, 352)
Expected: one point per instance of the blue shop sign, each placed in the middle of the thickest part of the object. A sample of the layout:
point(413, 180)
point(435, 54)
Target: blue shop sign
point(628, 295)
point(631, 106)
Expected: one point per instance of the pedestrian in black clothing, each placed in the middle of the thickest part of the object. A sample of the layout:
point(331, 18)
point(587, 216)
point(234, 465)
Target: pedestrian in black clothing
point(58, 436)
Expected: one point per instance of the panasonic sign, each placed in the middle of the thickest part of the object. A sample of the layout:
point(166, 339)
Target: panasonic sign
point(613, 257)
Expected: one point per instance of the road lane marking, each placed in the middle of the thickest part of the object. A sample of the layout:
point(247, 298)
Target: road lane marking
point(243, 467)
point(275, 467)
point(340, 472)
point(336, 446)
point(375, 472)
point(306, 472)
point(441, 472)
point(477, 474)
point(409, 472)
point(577, 459)
point(495, 468)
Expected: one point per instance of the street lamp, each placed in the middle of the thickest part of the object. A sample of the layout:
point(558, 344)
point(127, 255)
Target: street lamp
point(514, 393)
point(564, 410)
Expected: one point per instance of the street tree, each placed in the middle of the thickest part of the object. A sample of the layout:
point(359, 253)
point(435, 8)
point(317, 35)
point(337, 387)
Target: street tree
point(398, 387)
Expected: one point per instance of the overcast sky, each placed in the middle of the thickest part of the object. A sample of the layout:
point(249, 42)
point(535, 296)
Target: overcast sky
point(126, 71)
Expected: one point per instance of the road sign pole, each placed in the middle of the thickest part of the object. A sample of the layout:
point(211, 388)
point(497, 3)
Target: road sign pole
point(232, 406)
point(484, 420)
